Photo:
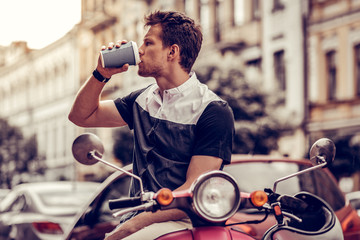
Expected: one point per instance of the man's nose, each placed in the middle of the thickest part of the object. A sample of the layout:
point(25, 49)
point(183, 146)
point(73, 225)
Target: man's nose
point(141, 50)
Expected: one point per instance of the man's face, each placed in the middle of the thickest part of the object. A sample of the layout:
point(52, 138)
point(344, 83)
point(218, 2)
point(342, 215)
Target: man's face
point(153, 55)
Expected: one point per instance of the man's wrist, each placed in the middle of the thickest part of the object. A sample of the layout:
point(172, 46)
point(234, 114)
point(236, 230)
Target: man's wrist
point(100, 77)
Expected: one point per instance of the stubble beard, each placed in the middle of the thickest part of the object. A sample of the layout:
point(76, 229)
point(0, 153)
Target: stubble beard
point(142, 72)
point(152, 72)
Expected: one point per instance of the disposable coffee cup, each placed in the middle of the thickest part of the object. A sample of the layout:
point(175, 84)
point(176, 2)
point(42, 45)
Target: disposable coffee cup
point(117, 57)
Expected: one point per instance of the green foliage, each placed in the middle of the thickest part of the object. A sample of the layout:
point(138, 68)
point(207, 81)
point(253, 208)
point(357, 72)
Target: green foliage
point(17, 154)
point(259, 121)
point(123, 145)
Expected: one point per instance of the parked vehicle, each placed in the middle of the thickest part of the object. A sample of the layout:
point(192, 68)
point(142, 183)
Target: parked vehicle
point(255, 172)
point(38, 211)
point(250, 173)
point(354, 199)
point(95, 219)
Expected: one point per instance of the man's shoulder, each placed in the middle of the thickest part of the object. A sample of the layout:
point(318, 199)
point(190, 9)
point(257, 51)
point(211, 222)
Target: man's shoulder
point(135, 94)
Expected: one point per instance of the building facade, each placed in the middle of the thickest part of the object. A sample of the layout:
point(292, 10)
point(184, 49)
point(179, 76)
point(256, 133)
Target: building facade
point(334, 77)
point(37, 88)
point(334, 68)
point(283, 65)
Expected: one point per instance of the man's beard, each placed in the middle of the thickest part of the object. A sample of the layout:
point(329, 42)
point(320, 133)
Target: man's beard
point(143, 73)
point(153, 72)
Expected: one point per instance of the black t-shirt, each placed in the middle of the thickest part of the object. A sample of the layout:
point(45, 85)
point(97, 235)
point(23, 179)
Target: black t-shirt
point(186, 121)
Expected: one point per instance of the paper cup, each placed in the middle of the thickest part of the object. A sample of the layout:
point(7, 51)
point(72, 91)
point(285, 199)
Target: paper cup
point(117, 57)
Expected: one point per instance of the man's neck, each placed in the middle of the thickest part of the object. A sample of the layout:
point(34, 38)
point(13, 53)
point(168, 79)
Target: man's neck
point(172, 80)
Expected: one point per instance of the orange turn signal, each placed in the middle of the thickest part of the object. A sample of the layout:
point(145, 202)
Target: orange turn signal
point(164, 196)
point(258, 198)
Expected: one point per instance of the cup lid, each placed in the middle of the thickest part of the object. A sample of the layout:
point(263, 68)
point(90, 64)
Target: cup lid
point(102, 59)
point(136, 52)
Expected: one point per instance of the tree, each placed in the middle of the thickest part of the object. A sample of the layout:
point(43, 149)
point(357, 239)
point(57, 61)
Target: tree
point(347, 158)
point(259, 118)
point(123, 145)
point(17, 154)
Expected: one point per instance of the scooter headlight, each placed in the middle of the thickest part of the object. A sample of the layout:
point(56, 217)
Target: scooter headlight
point(216, 196)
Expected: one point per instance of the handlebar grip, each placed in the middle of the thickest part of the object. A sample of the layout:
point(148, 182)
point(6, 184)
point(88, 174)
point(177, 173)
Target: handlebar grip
point(125, 202)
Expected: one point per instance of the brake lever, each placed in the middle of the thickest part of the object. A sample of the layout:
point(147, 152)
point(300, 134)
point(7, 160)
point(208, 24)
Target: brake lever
point(292, 216)
point(145, 207)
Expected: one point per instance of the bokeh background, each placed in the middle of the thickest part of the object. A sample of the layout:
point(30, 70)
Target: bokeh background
point(290, 70)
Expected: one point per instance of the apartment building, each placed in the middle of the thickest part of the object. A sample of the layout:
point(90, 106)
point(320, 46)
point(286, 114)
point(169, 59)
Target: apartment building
point(265, 41)
point(37, 88)
point(334, 68)
point(334, 79)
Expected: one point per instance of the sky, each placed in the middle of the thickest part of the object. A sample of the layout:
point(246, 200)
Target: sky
point(38, 22)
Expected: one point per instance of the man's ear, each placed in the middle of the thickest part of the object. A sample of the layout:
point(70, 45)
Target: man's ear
point(174, 52)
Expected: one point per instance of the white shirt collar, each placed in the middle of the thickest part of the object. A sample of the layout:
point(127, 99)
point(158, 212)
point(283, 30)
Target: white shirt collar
point(187, 84)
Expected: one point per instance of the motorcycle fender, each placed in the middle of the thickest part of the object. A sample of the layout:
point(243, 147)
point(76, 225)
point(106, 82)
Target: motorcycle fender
point(206, 233)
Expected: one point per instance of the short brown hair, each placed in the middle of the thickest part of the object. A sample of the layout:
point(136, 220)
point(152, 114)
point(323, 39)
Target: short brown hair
point(177, 28)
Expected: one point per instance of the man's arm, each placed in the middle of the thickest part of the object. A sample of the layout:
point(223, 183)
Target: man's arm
point(198, 165)
point(88, 110)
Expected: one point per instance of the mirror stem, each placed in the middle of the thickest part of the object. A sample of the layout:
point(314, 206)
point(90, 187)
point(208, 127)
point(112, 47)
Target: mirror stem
point(298, 173)
point(94, 154)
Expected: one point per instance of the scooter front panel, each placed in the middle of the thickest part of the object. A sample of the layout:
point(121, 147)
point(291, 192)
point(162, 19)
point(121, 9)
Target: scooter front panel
point(206, 233)
point(178, 235)
point(209, 233)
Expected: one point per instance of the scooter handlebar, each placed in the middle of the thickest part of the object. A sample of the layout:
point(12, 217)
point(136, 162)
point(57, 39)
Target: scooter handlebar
point(125, 202)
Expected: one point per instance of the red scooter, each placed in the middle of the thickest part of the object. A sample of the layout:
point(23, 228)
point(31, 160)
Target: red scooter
point(215, 197)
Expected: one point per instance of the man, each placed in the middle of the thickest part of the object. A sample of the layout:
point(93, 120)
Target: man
point(181, 128)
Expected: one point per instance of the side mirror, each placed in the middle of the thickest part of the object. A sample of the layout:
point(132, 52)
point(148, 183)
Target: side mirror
point(88, 149)
point(83, 147)
point(322, 151)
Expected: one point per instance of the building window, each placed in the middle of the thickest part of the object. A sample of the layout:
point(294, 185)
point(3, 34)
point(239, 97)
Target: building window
point(279, 68)
point(331, 74)
point(205, 16)
point(239, 14)
point(218, 17)
point(189, 7)
point(253, 70)
point(277, 5)
point(357, 69)
point(255, 10)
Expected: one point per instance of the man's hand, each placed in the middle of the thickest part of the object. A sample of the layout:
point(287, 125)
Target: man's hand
point(108, 72)
point(198, 165)
point(126, 229)
point(87, 109)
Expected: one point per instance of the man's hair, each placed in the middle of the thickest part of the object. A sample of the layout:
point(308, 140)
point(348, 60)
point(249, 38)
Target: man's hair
point(177, 28)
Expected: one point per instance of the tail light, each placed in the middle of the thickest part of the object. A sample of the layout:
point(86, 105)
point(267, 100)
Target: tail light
point(48, 227)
